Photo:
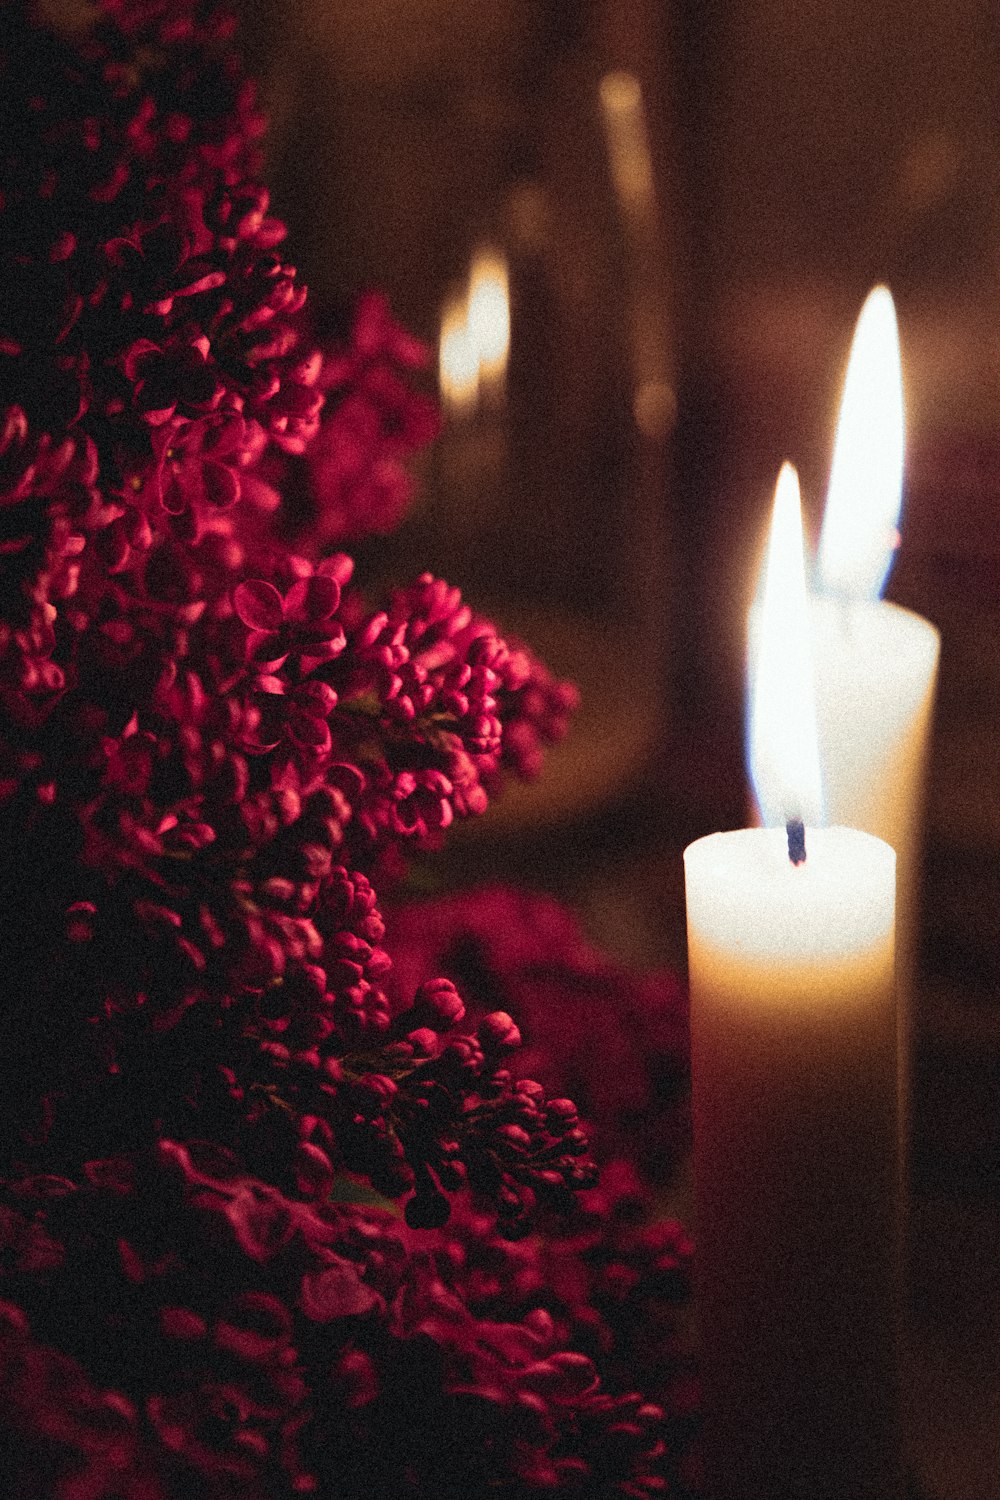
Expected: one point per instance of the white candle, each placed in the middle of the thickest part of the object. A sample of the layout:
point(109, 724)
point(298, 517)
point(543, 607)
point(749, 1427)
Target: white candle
point(875, 668)
point(875, 663)
point(794, 1096)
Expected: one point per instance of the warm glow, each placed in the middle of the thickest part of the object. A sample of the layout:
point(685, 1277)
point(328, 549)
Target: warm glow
point(862, 507)
point(458, 362)
point(654, 406)
point(488, 317)
point(628, 140)
point(475, 337)
point(784, 753)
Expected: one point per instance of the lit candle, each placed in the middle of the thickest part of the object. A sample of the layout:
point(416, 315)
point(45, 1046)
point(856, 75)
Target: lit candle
point(488, 319)
point(875, 663)
point(794, 1098)
point(471, 459)
point(458, 360)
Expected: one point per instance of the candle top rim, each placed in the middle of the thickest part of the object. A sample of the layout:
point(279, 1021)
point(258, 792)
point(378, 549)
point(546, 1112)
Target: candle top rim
point(746, 899)
point(883, 614)
point(836, 836)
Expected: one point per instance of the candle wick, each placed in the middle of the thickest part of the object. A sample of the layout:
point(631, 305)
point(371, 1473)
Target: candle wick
point(796, 830)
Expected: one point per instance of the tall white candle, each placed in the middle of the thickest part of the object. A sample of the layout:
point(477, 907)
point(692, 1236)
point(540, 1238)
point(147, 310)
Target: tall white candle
point(875, 663)
point(794, 1092)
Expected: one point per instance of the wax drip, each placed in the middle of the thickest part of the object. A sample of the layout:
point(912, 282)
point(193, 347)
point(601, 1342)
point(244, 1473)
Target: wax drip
point(796, 830)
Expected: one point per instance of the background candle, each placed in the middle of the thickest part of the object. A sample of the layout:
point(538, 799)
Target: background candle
point(875, 664)
point(795, 1108)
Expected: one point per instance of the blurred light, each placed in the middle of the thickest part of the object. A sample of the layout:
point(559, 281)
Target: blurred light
point(528, 209)
point(488, 315)
point(654, 406)
point(628, 141)
point(458, 361)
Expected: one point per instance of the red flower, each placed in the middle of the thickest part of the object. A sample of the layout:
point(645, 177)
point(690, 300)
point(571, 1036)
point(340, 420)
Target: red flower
point(154, 266)
point(198, 465)
point(357, 464)
point(301, 621)
point(179, 373)
point(205, 738)
point(299, 714)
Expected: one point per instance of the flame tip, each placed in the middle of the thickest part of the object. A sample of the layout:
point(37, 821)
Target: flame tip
point(865, 493)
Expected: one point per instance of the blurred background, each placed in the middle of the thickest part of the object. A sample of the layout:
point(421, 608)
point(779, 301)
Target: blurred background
point(636, 235)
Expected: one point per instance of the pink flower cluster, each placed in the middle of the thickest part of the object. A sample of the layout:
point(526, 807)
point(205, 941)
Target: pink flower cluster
point(614, 1040)
point(155, 369)
point(358, 481)
point(273, 1347)
point(214, 749)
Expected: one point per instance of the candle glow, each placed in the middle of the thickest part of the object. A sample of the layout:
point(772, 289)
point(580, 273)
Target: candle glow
point(458, 361)
point(783, 745)
point(474, 344)
point(488, 315)
point(628, 141)
point(860, 525)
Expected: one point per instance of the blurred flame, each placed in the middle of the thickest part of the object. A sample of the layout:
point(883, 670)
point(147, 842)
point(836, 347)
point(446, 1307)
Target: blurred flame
point(458, 361)
point(860, 532)
point(784, 749)
point(488, 315)
point(628, 140)
point(475, 336)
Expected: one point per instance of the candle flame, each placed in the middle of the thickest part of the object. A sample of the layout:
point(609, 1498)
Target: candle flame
point(458, 361)
point(860, 532)
point(784, 751)
point(488, 315)
point(475, 337)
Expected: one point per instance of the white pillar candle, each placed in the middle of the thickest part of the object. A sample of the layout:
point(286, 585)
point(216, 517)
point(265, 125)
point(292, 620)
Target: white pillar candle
point(875, 664)
point(795, 1113)
point(793, 1058)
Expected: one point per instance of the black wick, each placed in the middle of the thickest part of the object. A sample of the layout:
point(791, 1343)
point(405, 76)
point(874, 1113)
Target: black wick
point(796, 830)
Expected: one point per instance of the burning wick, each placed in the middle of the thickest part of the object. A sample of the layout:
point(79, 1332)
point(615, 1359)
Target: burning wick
point(796, 830)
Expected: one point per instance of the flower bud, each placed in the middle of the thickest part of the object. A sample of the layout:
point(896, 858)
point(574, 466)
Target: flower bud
point(498, 1033)
point(439, 1004)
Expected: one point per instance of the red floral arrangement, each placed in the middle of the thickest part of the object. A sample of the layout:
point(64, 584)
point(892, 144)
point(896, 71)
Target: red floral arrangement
point(275, 1218)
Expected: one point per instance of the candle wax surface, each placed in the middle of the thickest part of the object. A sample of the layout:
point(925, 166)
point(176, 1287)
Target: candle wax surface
point(749, 906)
point(875, 668)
